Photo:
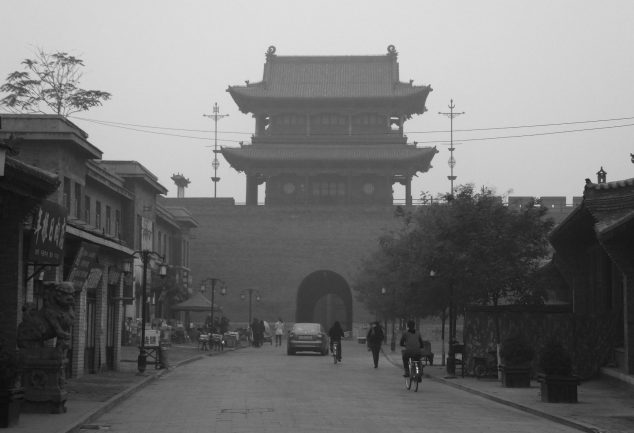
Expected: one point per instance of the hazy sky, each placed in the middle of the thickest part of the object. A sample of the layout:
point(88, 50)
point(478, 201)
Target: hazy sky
point(505, 63)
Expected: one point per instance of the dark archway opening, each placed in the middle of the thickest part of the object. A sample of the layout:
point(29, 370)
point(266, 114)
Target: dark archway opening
point(323, 297)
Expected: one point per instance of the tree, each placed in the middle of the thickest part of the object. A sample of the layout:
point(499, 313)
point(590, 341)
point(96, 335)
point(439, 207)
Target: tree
point(49, 84)
point(479, 250)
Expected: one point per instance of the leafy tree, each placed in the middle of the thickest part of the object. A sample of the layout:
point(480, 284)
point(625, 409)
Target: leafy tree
point(50, 84)
point(480, 251)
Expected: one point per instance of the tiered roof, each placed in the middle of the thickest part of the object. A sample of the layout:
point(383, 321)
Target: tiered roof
point(322, 78)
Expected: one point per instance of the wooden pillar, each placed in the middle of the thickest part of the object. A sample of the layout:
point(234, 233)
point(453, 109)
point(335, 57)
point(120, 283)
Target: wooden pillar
point(252, 190)
point(408, 191)
point(628, 323)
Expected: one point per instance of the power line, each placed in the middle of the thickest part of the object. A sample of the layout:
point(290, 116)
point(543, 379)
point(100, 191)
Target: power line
point(155, 127)
point(98, 122)
point(524, 126)
point(493, 128)
point(529, 135)
point(122, 126)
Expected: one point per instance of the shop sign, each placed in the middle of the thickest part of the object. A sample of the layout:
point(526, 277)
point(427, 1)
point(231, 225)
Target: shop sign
point(85, 258)
point(47, 241)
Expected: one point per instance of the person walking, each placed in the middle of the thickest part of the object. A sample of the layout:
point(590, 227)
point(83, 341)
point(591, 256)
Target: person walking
point(374, 339)
point(279, 331)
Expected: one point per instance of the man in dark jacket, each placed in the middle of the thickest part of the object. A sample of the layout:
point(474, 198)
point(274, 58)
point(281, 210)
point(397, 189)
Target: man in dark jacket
point(412, 343)
point(374, 339)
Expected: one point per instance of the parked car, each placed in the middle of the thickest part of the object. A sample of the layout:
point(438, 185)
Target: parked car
point(309, 337)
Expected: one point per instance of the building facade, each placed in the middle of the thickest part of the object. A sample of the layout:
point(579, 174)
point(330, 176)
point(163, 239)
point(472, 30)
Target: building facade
point(110, 211)
point(594, 250)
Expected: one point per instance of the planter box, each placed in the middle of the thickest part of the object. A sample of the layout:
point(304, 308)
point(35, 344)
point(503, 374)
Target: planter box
point(10, 402)
point(558, 389)
point(516, 377)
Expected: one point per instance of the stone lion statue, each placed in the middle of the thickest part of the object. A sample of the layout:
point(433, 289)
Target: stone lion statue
point(53, 320)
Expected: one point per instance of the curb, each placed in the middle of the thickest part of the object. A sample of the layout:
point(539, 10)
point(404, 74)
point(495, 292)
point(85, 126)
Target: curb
point(560, 420)
point(92, 415)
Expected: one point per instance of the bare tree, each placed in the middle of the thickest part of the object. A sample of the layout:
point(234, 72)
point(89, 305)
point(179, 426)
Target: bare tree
point(49, 84)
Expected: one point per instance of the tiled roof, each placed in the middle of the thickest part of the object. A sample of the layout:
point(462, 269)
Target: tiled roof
point(329, 154)
point(330, 77)
point(605, 206)
point(609, 200)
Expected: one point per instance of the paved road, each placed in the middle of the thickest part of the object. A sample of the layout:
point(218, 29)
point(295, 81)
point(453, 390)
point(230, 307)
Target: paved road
point(264, 390)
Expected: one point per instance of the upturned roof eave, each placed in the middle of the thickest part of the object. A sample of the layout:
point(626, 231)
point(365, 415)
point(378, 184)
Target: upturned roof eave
point(417, 162)
point(251, 103)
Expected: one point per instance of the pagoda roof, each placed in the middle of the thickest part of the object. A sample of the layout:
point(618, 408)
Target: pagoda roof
point(330, 156)
point(322, 78)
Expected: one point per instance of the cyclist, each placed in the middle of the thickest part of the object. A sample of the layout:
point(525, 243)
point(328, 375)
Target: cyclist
point(412, 343)
point(336, 334)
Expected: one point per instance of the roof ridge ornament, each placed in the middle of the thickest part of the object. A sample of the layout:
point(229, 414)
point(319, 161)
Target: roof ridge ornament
point(391, 50)
point(270, 52)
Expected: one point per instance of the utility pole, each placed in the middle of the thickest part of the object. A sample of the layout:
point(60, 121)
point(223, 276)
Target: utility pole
point(215, 164)
point(452, 161)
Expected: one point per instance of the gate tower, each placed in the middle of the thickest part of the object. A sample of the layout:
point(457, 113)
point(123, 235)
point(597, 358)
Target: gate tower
point(329, 130)
point(328, 145)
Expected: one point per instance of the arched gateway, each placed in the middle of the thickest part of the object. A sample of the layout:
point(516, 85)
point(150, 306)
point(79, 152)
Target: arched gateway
point(324, 296)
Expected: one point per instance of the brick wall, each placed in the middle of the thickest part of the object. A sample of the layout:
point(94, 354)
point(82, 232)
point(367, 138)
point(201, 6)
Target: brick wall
point(273, 249)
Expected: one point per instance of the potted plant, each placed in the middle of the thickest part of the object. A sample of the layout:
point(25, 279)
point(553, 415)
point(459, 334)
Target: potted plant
point(11, 393)
point(516, 355)
point(557, 383)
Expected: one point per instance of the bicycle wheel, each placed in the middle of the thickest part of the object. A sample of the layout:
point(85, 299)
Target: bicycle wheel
point(416, 380)
point(480, 371)
point(408, 382)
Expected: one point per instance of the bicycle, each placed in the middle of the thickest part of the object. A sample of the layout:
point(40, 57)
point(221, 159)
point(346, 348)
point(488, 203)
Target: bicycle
point(336, 351)
point(486, 366)
point(415, 374)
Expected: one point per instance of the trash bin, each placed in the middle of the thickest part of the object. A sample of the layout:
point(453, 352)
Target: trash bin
point(163, 356)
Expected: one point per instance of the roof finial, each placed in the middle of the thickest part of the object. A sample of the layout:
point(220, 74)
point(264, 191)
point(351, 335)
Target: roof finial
point(391, 50)
point(270, 52)
point(601, 175)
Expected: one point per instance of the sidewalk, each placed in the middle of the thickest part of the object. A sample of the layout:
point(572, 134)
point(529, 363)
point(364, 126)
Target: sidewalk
point(604, 405)
point(94, 394)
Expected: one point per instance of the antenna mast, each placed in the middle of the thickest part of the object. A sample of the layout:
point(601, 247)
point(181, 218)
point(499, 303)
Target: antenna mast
point(452, 161)
point(215, 164)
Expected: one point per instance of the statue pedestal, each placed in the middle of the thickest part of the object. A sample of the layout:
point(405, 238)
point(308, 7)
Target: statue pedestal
point(43, 380)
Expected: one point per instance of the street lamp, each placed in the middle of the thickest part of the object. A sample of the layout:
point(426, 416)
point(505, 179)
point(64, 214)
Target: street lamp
point(223, 291)
point(243, 296)
point(145, 256)
point(451, 358)
point(384, 292)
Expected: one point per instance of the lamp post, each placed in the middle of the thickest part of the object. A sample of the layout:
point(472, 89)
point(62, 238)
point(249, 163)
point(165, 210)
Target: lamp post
point(223, 291)
point(145, 256)
point(243, 296)
point(384, 292)
point(451, 358)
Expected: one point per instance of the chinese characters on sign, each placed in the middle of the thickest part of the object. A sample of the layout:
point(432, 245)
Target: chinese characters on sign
point(49, 228)
point(83, 263)
point(152, 337)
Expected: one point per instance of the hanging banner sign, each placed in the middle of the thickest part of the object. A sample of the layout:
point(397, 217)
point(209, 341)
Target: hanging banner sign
point(84, 260)
point(47, 241)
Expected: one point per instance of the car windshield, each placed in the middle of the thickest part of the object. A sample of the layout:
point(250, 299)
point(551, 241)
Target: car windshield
point(306, 328)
